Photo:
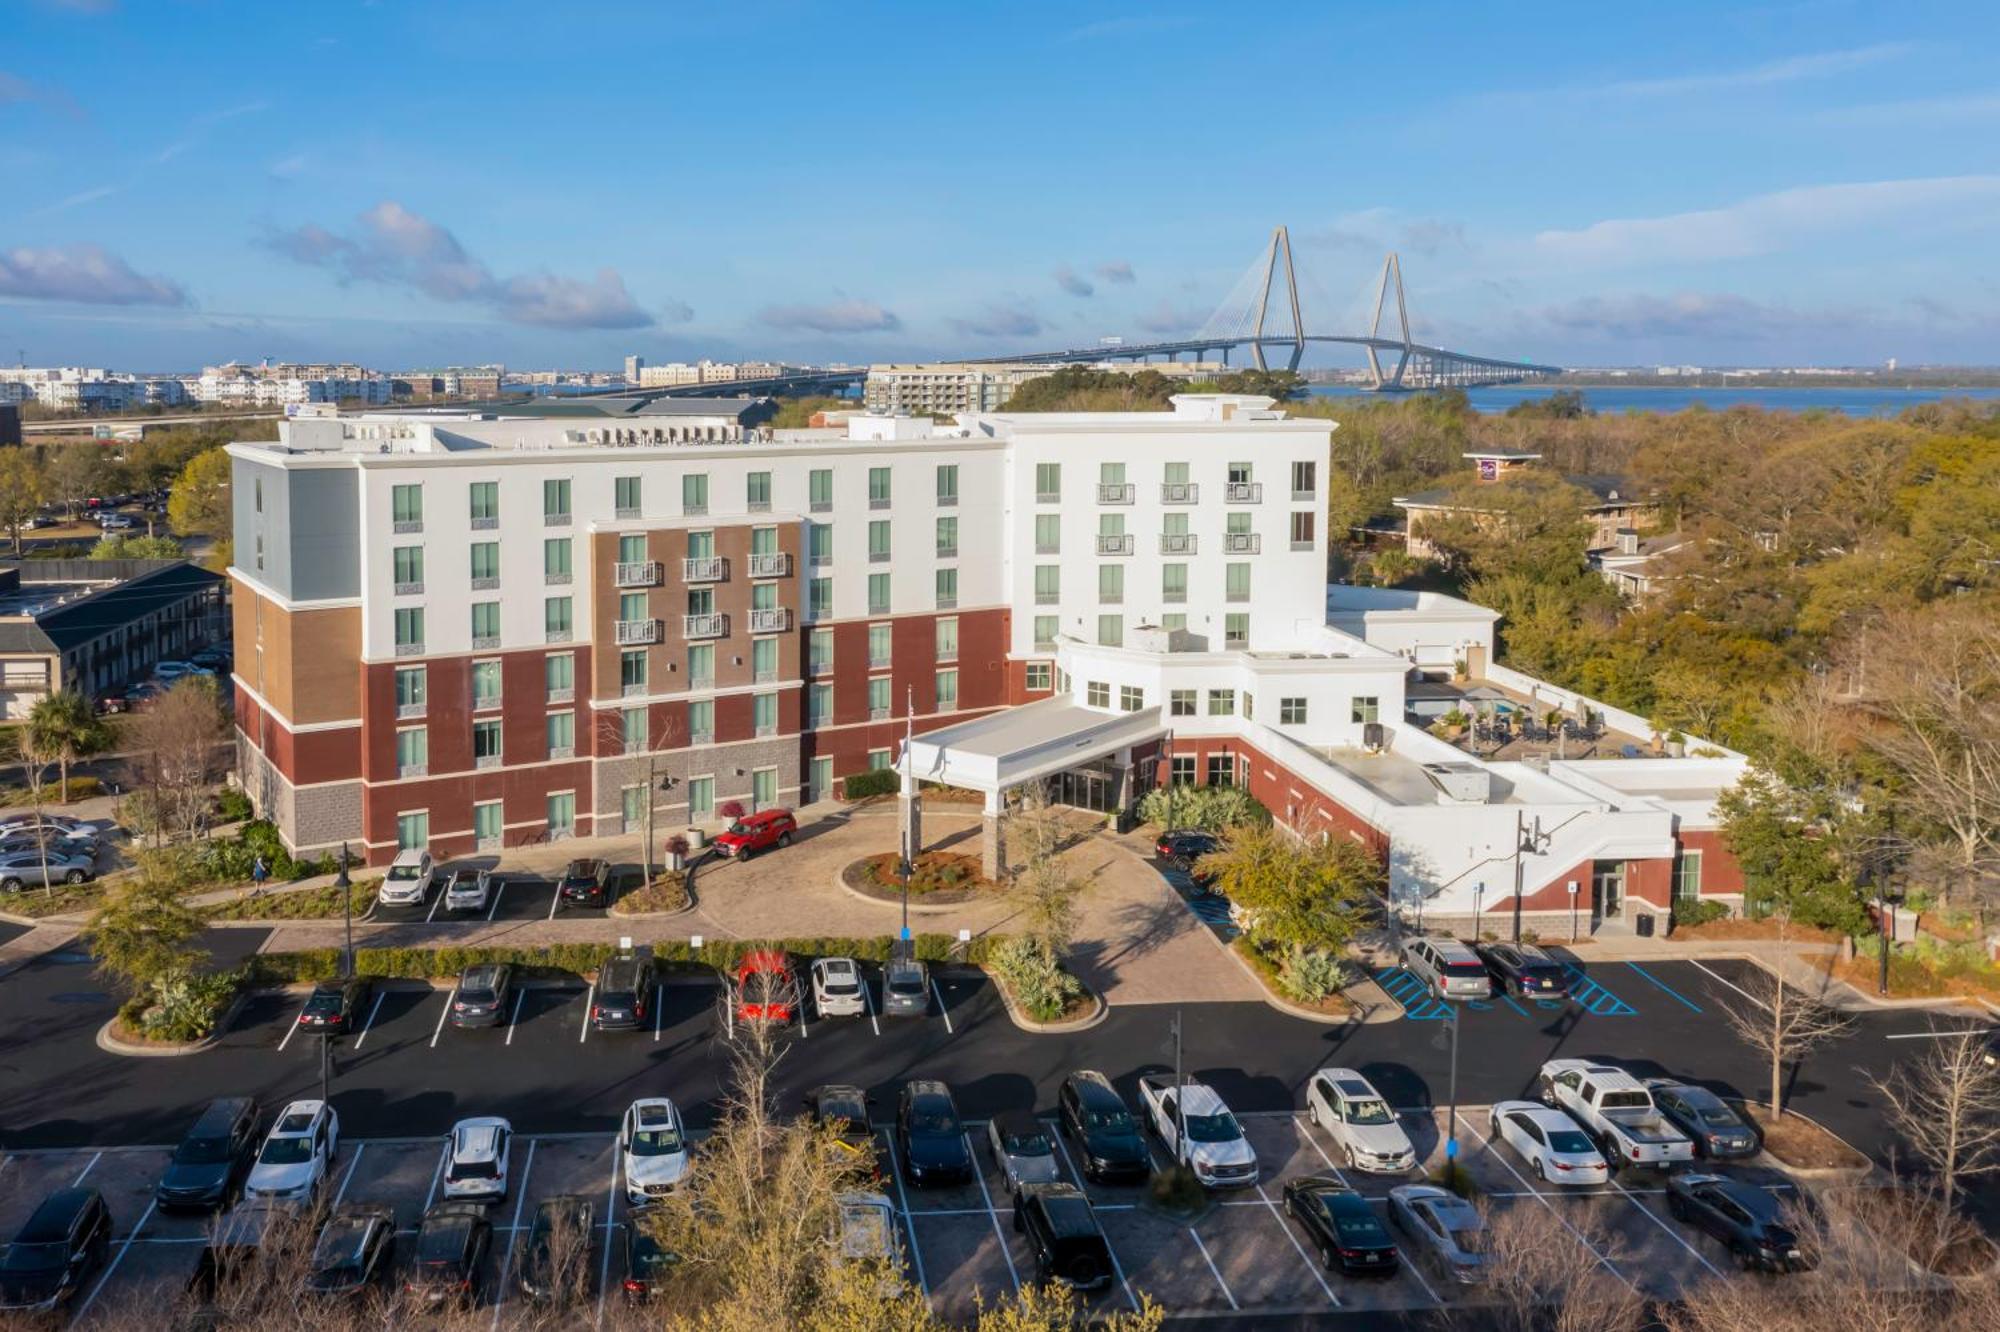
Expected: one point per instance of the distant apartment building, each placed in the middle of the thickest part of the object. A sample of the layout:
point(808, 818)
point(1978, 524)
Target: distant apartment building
point(244, 387)
point(953, 387)
point(1613, 502)
point(92, 626)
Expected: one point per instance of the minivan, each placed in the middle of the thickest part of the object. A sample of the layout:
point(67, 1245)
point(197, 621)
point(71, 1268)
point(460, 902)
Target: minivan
point(1448, 968)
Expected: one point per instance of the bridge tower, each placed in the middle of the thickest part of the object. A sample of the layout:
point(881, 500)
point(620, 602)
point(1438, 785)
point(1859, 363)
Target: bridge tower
point(1281, 246)
point(1392, 271)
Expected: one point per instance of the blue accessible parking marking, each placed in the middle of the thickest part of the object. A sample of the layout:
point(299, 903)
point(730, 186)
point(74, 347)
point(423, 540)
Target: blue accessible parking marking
point(1419, 1004)
point(1593, 998)
point(1211, 910)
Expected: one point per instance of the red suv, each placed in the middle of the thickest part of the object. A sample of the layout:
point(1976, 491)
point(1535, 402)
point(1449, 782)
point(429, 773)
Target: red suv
point(767, 989)
point(754, 832)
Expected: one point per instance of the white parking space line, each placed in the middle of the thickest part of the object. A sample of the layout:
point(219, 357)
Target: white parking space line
point(499, 887)
point(1298, 1248)
point(514, 1019)
point(373, 1009)
point(1734, 986)
point(805, 1027)
point(583, 1031)
point(1213, 1270)
point(105, 1278)
point(431, 915)
point(1542, 1198)
point(943, 1012)
point(903, 1201)
point(293, 1029)
point(1934, 1035)
point(868, 1003)
point(998, 1234)
point(348, 1178)
point(444, 1154)
point(555, 901)
point(610, 1211)
point(1678, 1238)
point(88, 1166)
point(659, 1010)
point(507, 1260)
point(446, 1012)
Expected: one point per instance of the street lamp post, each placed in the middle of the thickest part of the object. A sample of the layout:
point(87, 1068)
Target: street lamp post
point(346, 888)
point(1451, 1096)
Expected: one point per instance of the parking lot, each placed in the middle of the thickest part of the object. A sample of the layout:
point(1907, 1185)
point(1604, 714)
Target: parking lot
point(515, 896)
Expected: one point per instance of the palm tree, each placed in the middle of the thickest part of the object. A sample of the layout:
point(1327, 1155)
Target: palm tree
point(65, 726)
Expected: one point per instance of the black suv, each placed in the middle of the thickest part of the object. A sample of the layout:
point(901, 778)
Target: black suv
point(1093, 1116)
point(1524, 970)
point(931, 1137)
point(555, 1262)
point(1063, 1235)
point(451, 1248)
point(356, 1248)
point(334, 1006)
point(210, 1163)
point(1754, 1226)
point(65, 1240)
point(844, 1108)
point(626, 991)
point(585, 883)
point(484, 992)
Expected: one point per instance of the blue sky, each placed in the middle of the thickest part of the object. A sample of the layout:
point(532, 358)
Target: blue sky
point(186, 181)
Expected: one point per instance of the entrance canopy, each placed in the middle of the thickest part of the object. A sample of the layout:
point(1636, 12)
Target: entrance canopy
point(997, 752)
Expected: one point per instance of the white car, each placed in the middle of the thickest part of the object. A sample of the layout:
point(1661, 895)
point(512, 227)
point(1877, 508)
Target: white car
point(475, 1168)
point(408, 881)
point(468, 890)
point(837, 988)
point(1216, 1147)
point(62, 823)
point(168, 671)
point(1549, 1141)
point(654, 1147)
point(1360, 1122)
point(297, 1154)
point(867, 1229)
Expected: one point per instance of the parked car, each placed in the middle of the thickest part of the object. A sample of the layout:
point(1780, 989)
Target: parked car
point(1445, 1230)
point(334, 1006)
point(867, 1229)
point(64, 1240)
point(1717, 1131)
point(1185, 844)
point(297, 1154)
point(767, 990)
point(1525, 971)
point(408, 880)
point(647, 1263)
point(60, 841)
point(468, 890)
point(756, 832)
point(844, 1108)
point(475, 1166)
point(1552, 1143)
point(1022, 1148)
point(1359, 1121)
point(485, 994)
point(931, 1137)
point(1617, 1108)
point(208, 1166)
point(838, 990)
point(62, 823)
point(452, 1244)
point(1216, 1147)
point(233, 1252)
point(217, 659)
point(585, 882)
point(1093, 1115)
point(170, 670)
point(1342, 1226)
point(1758, 1230)
point(653, 1148)
point(555, 1267)
point(627, 990)
point(1063, 1235)
point(1447, 967)
point(39, 869)
point(906, 988)
point(356, 1249)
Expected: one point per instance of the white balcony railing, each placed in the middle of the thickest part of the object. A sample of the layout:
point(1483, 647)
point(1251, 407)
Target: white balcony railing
point(404, 711)
point(706, 626)
point(560, 694)
point(409, 649)
point(1177, 543)
point(633, 689)
point(1115, 492)
point(410, 589)
point(487, 583)
point(773, 620)
point(484, 523)
point(638, 631)
point(1114, 545)
point(1242, 543)
point(701, 737)
point(1244, 492)
point(485, 642)
point(636, 573)
point(706, 569)
point(405, 526)
point(413, 769)
point(625, 512)
point(562, 751)
point(1180, 492)
point(557, 577)
point(555, 520)
point(776, 564)
point(486, 761)
point(880, 714)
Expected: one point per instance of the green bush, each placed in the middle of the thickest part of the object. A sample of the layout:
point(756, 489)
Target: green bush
point(874, 782)
point(232, 806)
point(322, 903)
point(230, 859)
point(182, 1006)
point(1689, 914)
point(1210, 808)
point(1033, 976)
point(1310, 975)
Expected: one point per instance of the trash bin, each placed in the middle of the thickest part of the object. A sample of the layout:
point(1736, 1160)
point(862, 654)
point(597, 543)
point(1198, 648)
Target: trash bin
point(1645, 924)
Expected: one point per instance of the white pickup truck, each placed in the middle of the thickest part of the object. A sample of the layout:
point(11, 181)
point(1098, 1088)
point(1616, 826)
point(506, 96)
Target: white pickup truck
point(1616, 1108)
point(1221, 1156)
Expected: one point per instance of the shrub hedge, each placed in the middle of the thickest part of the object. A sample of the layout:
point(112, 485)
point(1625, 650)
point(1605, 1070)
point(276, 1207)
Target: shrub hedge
point(877, 781)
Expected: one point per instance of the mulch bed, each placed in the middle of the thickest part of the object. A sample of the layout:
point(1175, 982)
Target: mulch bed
point(1738, 927)
point(1802, 1143)
point(1334, 1005)
point(663, 895)
point(938, 878)
point(1909, 978)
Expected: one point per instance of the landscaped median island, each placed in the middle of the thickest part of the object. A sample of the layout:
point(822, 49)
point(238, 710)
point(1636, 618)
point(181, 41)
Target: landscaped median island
point(664, 896)
point(321, 903)
point(937, 878)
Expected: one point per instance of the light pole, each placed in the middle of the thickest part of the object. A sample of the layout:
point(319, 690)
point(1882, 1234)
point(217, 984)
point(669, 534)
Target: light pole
point(1525, 840)
point(909, 839)
point(1451, 1097)
point(346, 888)
point(1478, 896)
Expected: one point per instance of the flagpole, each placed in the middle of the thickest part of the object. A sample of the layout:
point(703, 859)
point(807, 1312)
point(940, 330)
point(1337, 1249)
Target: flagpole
point(910, 776)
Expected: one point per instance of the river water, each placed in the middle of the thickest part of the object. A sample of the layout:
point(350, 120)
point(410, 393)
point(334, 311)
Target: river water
point(1848, 401)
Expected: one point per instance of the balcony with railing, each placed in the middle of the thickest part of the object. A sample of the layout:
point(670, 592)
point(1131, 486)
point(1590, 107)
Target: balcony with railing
point(770, 620)
point(1114, 545)
point(1177, 543)
point(555, 520)
point(413, 589)
point(1116, 492)
point(484, 522)
point(714, 625)
point(1244, 492)
point(772, 564)
point(1242, 543)
point(405, 711)
point(626, 512)
point(488, 583)
point(635, 573)
point(407, 526)
point(705, 569)
point(1180, 492)
point(485, 642)
point(637, 631)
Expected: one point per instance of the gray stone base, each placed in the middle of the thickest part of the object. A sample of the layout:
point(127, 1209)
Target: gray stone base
point(309, 820)
point(730, 765)
point(993, 846)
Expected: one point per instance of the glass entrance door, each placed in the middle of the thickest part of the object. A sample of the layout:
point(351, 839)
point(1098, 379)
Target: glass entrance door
point(1607, 889)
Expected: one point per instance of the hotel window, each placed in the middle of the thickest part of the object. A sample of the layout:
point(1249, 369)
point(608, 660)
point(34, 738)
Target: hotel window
point(413, 831)
point(1180, 702)
point(878, 697)
point(486, 743)
point(764, 714)
point(819, 705)
point(1038, 676)
point(819, 651)
point(947, 538)
point(1304, 480)
point(556, 619)
point(1687, 877)
point(1176, 474)
point(879, 640)
point(1046, 629)
point(1236, 524)
point(1111, 474)
point(701, 545)
point(409, 627)
point(260, 494)
point(1363, 710)
point(1173, 582)
point(878, 487)
point(763, 596)
point(406, 508)
point(555, 560)
point(486, 684)
point(878, 594)
point(1249, 706)
point(1048, 534)
point(757, 492)
point(947, 691)
point(1174, 525)
point(632, 549)
point(409, 568)
point(260, 550)
point(819, 490)
point(819, 543)
point(879, 760)
point(694, 493)
point(1097, 693)
point(1221, 770)
point(1222, 702)
point(410, 691)
point(632, 729)
point(763, 541)
point(555, 501)
point(1302, 530)
point(1174, 620)
point(625, 496)
point(764, 659)
point(486, 623)
point(1291, 712)
point(1236, 582)
point(562, 734)
point(413, 751)
point(1110, 584)
point(763, 788)
point(819, 598)
point(947, 638)
point(701, 721)
point(488, 824)
point(485, 561)
point(701, 666)
point(701, 797)
point(700, 601)
point(485, 502)
point(878, 541)
point(1110, 533)
point(1131, 698)
point(947, 483)
point(947, 588)
point(562, 813)
point(1111, 631)
point(1048, 483)
point(1048, 584)
point(1236, 630)
point(632, 670)
point(1239, 474)
point(1180, 770)
point(558, 674)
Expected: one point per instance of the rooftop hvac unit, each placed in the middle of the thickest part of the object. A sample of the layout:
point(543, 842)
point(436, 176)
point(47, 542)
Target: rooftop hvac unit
point(1373, 736)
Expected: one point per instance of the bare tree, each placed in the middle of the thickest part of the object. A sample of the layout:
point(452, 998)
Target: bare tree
point(1542, 1278)
point(1782, 1024)
point(36, 755)
point(1045, 887)
point(1946, 1104)
point(177, 746)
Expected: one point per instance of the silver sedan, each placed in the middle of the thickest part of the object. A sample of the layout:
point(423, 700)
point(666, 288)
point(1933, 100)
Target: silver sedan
point(1023, 1149)
point(1444, 1228)
point(24, 869)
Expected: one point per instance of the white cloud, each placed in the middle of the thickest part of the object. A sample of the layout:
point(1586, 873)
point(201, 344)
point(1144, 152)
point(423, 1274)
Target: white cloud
point(1069, 281)
point(1000, 321)
point(846, 315)
point(1116, 271)
point(1791, 69)
point(86, 274)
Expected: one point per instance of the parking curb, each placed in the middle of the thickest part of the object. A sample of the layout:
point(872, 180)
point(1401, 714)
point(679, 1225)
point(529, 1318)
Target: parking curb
point(1851, 1174)
point(1028, 1024)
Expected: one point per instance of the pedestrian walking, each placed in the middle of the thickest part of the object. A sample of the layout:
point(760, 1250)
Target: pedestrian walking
point(259, 872)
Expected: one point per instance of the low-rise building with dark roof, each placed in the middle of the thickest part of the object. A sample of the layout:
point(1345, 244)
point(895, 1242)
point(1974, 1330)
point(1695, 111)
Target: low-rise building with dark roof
point(1614, 504)
point(94, 625)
